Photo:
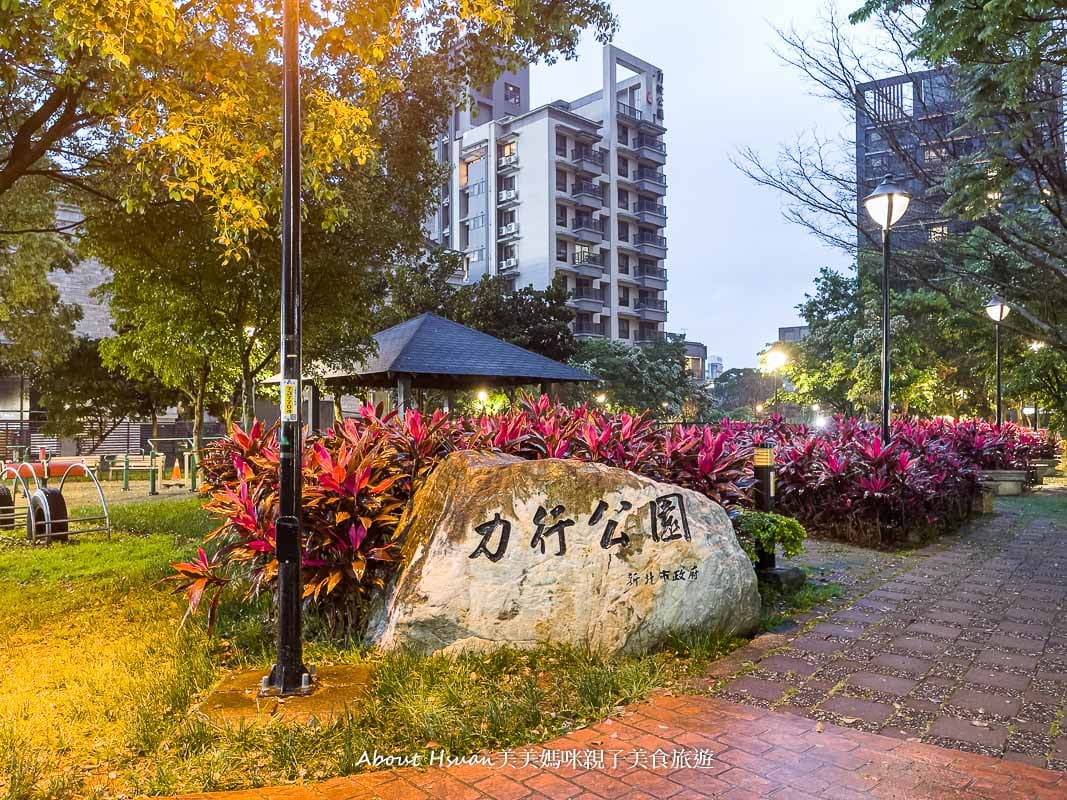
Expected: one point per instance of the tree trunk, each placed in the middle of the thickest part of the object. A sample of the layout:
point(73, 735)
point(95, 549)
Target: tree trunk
point(337, 415)
point(248, 397)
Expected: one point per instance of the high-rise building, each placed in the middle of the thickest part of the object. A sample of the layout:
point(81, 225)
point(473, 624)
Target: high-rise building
point(573, 187)
point(909, 126)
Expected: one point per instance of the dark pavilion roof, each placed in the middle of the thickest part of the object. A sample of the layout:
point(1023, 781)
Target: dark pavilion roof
point(438, 353)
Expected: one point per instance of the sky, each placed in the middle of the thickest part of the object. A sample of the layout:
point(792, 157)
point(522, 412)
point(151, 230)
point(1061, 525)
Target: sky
point(737, 269)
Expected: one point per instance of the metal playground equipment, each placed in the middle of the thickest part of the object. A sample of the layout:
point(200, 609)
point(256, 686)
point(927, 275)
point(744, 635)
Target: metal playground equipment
point(45, 513)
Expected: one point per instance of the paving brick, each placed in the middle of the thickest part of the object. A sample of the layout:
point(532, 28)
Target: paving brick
point(786, 664)
point(1007, 660)
point(964, 730)
point(997, 678)
point(985, 703)
point(867, 710)
point(757, 687)
point(882, 683)
point(937, 631)
point(908, 664)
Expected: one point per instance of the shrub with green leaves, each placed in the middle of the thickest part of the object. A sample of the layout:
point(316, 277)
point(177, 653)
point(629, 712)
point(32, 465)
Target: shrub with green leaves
point(770, 531)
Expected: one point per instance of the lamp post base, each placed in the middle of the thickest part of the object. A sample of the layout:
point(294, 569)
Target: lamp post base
point(301, 680)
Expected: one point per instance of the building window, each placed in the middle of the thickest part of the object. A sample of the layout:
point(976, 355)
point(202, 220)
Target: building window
point(624, 264)
point(476, 222)
point(483, 112)
point(561, 145)
point(875, 140)
point(512, 94)
point(937, 233)
point(561, 249)
point(508, 148)
point(624, 199)
point(624, 232)
point(624, 134)
point(624, 295)
point(582, 252)
point(877, 165)
point(624, 167)
point(624, 328)
point(476, 188)
point(936, 155)
point(561, 180)
point(561, 216)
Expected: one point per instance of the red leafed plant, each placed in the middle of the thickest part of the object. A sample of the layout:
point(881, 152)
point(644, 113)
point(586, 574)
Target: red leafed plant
point(358, 477)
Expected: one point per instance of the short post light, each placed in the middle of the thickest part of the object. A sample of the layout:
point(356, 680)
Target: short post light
point(998, 310)
point(886, 205)
point(763, 470)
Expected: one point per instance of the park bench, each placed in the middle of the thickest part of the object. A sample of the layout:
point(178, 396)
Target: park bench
point(138, 463)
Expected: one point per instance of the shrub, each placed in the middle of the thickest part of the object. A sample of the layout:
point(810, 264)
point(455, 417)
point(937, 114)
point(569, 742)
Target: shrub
point(761, 529)
point(840, 482)
point(359, 476)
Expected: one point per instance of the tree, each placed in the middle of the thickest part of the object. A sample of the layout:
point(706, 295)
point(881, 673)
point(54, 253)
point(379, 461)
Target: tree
point(36, 328)
point(740, 389)
point(191, 91)
point(653, 378)
point(1007, 181)
point(942, 358)
point(82, 395)
point(537, 319)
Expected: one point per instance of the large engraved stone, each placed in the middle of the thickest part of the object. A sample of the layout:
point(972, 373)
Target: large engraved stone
point(498, 550)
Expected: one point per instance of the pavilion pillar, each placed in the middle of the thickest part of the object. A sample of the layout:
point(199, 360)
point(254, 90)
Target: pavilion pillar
point(403, 394)
point(450, 402)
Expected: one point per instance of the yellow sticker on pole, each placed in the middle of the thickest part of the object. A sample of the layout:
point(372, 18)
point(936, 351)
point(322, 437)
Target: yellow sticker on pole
point(289, 404)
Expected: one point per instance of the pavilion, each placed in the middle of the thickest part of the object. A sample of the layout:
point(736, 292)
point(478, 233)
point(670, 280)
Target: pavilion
point(431, 352)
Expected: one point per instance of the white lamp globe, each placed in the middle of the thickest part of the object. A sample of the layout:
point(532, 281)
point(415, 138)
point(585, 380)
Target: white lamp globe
point(887, 203)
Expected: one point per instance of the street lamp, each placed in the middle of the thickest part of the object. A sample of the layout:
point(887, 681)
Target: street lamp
point(886, 205)
point(998, 310)
point(775, 359)
point(288, 675)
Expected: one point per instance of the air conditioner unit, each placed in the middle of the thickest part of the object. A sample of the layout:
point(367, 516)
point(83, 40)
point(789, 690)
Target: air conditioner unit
point(510, 228)
point(509, 263)
point(507, 194)
point(507, 161)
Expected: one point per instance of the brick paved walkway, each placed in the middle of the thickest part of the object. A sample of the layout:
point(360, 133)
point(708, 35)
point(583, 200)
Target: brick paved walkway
point(754, 753)
point(963, 644)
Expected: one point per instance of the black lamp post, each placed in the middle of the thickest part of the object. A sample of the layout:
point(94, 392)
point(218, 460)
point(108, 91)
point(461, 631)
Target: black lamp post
point(886, 205)
point(998, 310)
point(288, 675)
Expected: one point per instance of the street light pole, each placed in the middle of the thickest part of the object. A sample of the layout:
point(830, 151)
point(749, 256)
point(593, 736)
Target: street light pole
point(885, 327)
point(885, 205)
point(288, 674)
point(1000, 396)
point(997, 310)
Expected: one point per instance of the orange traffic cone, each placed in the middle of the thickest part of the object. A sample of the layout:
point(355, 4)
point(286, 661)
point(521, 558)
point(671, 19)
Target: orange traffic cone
point(176, 473)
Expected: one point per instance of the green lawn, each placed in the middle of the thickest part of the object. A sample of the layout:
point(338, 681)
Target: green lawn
point(98, 684)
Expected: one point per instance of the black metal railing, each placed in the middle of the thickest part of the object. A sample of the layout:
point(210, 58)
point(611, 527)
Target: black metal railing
point(650, 304)
point(644, 237)
point(649, 174)
point(581, 259)
point(628, 110)
point(651, 272)
point(587, 293)
point(587, 154)
point(590, 328)
point(651, 143)
point(652, 207)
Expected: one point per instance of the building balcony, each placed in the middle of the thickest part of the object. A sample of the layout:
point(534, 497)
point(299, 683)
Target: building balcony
point(508, 265)
point(628, 111)
point(651, 309)
point(507, 197)
point(508, 163)
point(506, 232)
point(586, 299)
point(628, 210)
point(587, 230)
point(650, 212)
point(650, 180)
point(651, 277)
point(649, 148)
point(589, 265)
point(584, 329)
point(588, 160)
point(588, 194)
point(627, 309)
point(648, 337)
point(651, 244)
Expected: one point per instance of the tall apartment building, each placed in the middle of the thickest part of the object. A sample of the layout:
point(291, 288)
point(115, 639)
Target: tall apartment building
point(909, 126)
point(574, 187)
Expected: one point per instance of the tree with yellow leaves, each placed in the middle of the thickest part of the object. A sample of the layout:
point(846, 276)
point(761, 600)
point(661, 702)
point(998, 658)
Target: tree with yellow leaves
point(190, 92)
